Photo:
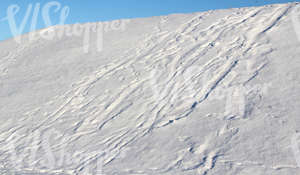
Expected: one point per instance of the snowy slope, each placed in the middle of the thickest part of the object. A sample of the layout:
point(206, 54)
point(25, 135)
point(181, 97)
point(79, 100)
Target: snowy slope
point(211, 93)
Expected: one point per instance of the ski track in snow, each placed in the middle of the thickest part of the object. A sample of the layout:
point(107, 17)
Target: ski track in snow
point(101, 118)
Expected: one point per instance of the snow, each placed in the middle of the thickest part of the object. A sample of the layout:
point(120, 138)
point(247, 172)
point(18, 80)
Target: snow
point(208, 93)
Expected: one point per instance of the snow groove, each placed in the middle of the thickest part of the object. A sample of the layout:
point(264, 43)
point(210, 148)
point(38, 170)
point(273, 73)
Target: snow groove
point(161, 85)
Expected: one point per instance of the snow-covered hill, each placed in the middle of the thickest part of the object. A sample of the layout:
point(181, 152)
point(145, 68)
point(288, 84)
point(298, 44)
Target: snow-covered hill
point(210, 93)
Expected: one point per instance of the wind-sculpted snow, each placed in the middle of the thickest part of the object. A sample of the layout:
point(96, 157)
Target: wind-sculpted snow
point(215, 92)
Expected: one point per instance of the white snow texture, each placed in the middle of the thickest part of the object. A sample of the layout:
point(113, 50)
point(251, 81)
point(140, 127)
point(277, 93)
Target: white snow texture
point(209, 93)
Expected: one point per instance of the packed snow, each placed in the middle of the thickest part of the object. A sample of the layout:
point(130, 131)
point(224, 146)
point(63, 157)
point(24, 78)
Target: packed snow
point(209, 93)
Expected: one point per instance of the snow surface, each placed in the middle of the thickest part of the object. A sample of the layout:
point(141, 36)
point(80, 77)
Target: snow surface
point(210, 93)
